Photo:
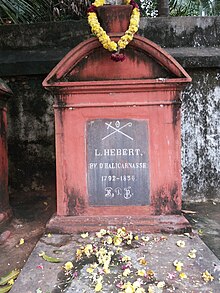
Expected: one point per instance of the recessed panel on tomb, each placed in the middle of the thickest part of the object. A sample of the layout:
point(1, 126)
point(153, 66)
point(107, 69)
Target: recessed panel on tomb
point(117, 162)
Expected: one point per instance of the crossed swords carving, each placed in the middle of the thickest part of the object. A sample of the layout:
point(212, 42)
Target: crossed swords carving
point(117, 129)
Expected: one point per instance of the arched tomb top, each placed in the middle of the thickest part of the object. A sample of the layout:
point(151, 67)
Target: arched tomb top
point(90, 63)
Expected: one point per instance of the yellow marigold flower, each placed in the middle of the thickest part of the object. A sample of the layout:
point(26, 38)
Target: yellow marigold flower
point(207, 277)
point(21, 242)
point(192, 253)
point(88, 249)
point(161, 284)
point(117, 240)
point(106, 271)
point(126, 258)
point(140, 290)
point(136, 237)
point(114, 46)
point(181, 243)
point(109, 240)
point(141, 273)
point(122, 44)
point(98, 287)
point(128, 288)
point(135, 11)
point(105, 40)
point(98, 3)
point(90, 270)
point(183, 276)
point(79, 253)
point(133, 28)
point(178, 265)
point(68, 266)
point(121, 232)
point(101, 233)
point(151, 289)
point(136, 285)
point(126, 272)
point(142, 261)
point(145, 238)
point(134, 21)
point(84, 235)
point(150, 273)
point(129, 37)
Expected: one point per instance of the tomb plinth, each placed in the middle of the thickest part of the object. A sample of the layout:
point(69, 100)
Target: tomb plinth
point(5, 211)
point(117, 128)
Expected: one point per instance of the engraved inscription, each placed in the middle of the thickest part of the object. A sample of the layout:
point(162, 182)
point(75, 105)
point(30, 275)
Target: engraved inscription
point(117, 162)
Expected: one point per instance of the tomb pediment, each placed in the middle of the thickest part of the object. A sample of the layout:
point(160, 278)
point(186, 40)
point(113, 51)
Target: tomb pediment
point(144, 60)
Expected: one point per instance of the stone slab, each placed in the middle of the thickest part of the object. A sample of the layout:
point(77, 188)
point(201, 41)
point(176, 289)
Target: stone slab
point(159, 250)
point(147, 224)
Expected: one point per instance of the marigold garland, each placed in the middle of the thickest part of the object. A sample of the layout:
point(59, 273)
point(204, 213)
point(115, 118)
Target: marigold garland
point(103, 37)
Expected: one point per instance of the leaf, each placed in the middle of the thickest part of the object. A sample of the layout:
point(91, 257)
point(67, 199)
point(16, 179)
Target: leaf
point(50, 258)
point(11, 282)
point(200, 232)
point(10, 276)
point(5, 289)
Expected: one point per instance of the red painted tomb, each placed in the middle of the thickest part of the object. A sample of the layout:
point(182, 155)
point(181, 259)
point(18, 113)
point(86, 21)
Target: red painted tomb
point(117, 128)
point(5, 211)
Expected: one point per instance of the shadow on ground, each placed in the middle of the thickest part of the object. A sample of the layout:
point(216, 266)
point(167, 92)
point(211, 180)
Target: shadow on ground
point(31, 211)
point(206, 220)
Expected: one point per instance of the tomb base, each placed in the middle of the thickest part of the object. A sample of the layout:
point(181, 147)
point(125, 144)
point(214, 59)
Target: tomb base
point(5, 216)
point(147, 224)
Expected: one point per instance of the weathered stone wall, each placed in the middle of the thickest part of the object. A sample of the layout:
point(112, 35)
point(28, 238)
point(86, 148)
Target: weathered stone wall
point(28, 53)
point(31, 134)
point(201, 135)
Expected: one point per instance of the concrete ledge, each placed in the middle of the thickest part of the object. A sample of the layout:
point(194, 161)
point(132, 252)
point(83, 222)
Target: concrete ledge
point(41, 61)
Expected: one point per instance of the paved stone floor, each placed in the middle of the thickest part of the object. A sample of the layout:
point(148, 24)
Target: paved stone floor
point(206, 222)
point(31, 212)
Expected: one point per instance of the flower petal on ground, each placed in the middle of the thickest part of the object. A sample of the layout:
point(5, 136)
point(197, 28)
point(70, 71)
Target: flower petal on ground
point(68, 266)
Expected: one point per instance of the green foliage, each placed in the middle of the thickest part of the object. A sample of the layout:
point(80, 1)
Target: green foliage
point(24, 11)
point(194, 7)
point(29, 11)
